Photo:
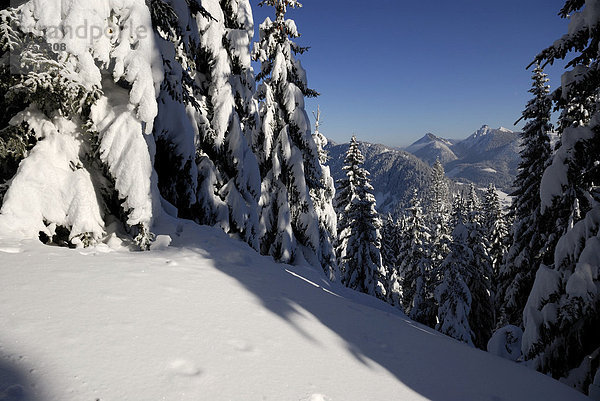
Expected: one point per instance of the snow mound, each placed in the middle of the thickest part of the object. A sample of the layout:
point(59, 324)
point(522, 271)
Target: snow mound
point(161, 243)
point(506, 343)
point(52, 183)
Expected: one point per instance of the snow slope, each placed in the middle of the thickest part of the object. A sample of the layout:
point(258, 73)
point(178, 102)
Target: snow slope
point(219, 322)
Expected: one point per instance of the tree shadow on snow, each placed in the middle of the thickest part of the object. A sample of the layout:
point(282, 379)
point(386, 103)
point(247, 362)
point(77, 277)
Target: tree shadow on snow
point(15, 384)
point(375, 333)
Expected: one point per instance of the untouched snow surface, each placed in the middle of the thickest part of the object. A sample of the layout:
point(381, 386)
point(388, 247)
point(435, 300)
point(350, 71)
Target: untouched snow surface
point(219, 322)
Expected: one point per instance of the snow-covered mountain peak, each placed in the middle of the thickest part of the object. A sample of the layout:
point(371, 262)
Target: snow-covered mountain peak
point(484, 130)
point(431, 147)
point(486, 137)
point(430, 136)
point(428, 139)
point(487, 155)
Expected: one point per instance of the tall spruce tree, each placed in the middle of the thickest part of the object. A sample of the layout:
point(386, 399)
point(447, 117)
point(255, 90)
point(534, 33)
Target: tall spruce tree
point(438, 213)
point(561, 317)
point(287, 153)
point(205, 165)
point(389, 242)
point(229, 179)
point(496, 233)
point(415, 268)
point(517, 273)
point(346, 191)
point(452, 293)
point(359, 238)
point(479, 273)
point(390, 253)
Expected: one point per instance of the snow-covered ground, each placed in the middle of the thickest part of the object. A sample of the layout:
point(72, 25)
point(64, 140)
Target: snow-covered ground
point(206, 318)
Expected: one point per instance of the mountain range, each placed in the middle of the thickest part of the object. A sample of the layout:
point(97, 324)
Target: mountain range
point(487, 156)
point(394, 173)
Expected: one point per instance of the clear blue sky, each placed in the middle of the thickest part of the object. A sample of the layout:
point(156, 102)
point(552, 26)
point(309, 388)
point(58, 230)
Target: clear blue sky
point(390, 71)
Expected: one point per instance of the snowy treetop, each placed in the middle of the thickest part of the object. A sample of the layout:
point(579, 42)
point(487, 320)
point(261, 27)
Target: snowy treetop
point(103, 34)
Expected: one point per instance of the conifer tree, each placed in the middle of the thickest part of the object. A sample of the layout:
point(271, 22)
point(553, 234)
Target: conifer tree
point(346, 192)
point(229, 179)
point(496, 232)
point(438, 212)
point(85, 137)
point(452, 293)
point(390, 251)
point(525, 253)
point(439, 195)
point(287, 153)
point(322, 197)
point(561, 317)
point(478, 273)
point(239, 33)
point(415, 268)
point(175, 160)
point(204, 162)
point(359, 238)
point(494, 226)
point(389, 242)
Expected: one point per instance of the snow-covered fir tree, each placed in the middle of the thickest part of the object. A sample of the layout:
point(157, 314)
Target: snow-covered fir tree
point(322, 197)
point(389, 242)
point(452, 293)
point(239, 27)
point(84, 115)
point(494, 226)
point(175, 159)
point(575, 110)
point(359, 238)
point(415, 268)
point(479, 273)
point(525, 253)
point(287, 153)
point(346, 191)
point(390, 253)
point(495, 230)
point(438, 214)
point(561, 317)
point(205, 164)
point(229, 179)
point(439, 194)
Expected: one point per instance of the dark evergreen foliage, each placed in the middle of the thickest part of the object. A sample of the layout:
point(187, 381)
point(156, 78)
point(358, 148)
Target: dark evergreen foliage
point(528, 244)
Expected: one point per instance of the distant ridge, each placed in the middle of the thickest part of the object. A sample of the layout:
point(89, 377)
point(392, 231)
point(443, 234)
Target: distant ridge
point(489, 155)
point(394, 172)
point(431, 147)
